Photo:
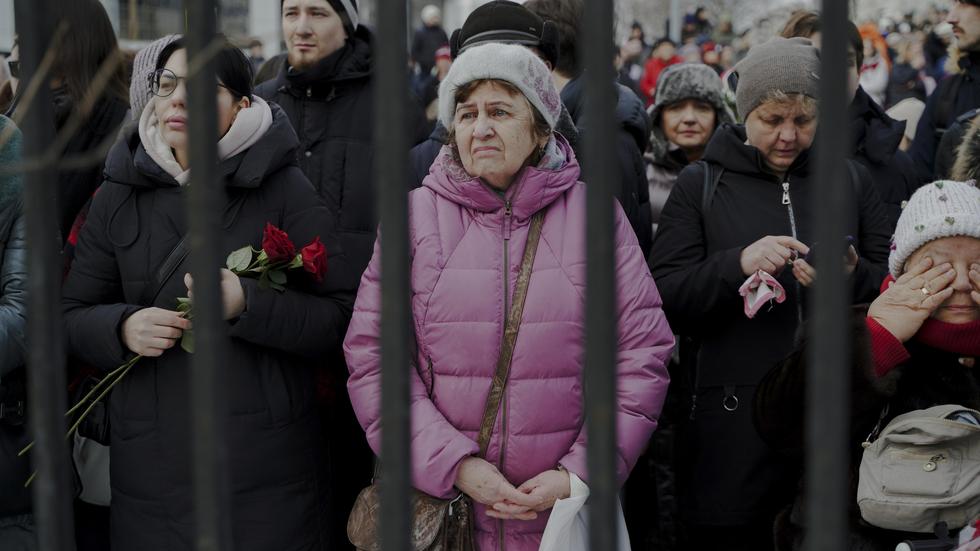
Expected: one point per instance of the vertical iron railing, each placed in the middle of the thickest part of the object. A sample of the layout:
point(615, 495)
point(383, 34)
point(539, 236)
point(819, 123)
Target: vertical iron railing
point(602, 178)
point(391, 148)
point(206, 197)
point(828, 378)
point(46, 360)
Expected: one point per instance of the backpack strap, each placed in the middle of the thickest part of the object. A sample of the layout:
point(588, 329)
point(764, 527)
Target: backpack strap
point(712, 175)
point(163, 273)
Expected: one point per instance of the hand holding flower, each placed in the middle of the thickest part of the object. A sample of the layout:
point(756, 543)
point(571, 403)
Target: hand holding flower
point(232, 294)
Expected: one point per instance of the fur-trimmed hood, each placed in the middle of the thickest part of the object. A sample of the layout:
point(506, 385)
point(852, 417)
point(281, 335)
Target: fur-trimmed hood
point(678, 83)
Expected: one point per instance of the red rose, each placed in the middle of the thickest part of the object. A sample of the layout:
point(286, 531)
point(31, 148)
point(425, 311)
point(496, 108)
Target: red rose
point(315, 259)
point(277, 245)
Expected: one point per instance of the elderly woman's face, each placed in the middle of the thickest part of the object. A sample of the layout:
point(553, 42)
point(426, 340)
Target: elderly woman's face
point(494, 134)
point(781, 131)
point(688, 124)
point(962, 252)
point(171, 110)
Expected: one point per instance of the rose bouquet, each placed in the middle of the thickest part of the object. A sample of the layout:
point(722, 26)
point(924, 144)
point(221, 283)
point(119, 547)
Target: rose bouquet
point(269, 265)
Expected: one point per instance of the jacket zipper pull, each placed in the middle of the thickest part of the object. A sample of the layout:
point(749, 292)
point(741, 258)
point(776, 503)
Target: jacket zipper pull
point(508, 216)
point(786, 200)
point(309, 91)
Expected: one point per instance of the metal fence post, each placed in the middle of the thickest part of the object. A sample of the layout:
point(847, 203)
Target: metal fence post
point(828, 378)
point(601, 177)
point(46, 360)
point(391, 150)
point(206, 197)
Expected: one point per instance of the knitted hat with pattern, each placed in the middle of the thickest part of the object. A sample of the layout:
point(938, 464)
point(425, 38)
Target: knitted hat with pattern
point(790, 65)
point(143, 66)
point(511, 63)
point(940, 209)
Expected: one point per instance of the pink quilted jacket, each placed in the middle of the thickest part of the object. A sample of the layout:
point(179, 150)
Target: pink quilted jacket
point(466, 248)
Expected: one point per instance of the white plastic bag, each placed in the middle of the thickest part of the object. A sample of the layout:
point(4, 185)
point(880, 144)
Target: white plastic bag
point(568, 525)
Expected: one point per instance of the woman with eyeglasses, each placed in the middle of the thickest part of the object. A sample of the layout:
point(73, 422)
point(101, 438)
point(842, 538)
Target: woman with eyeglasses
point(119, 302)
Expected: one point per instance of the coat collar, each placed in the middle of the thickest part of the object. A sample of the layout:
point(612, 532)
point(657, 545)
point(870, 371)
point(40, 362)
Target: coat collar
point(533, 189)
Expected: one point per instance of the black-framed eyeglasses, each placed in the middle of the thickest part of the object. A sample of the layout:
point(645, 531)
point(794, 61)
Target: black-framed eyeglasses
point(14, 67)
point(163, 82)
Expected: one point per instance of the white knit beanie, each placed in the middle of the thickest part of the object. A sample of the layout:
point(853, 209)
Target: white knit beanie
point(508, 62)
point(940, 209)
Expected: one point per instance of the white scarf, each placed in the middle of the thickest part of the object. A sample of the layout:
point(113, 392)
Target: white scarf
point(250, 124)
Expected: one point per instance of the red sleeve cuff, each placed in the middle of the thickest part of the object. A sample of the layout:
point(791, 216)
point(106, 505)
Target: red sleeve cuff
point(886, 350)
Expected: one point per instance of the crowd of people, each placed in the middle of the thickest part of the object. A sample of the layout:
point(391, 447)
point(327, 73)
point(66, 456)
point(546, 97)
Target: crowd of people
point(714, 250)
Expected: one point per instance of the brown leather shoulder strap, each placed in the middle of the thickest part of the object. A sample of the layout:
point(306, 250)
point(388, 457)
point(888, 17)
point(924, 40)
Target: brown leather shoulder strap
point(510, 334)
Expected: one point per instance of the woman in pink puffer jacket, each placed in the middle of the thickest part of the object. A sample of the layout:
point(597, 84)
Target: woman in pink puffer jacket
point(468, 228)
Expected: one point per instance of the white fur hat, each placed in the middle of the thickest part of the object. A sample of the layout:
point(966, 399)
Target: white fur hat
point(508, 62)
point(940, 209)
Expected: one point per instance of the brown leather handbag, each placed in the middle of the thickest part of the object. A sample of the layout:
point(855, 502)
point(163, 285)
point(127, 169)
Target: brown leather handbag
point(447, 524)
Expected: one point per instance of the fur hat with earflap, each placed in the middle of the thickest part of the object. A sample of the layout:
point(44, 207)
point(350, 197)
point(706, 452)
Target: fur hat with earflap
point(682, 82)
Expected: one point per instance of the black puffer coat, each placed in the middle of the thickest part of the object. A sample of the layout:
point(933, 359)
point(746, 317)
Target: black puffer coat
point(632, 137)
point(14, 470)
point(272, 431)
point(330, 106)
point(876, 140)
point(731, 478)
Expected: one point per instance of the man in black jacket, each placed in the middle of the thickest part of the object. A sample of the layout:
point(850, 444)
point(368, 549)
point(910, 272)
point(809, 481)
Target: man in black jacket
point(326, 89)
point(955, 95)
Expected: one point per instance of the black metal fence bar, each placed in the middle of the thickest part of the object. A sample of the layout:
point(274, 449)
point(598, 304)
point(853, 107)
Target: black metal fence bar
point(46, 376)
point(206, 197)
point(391, 150)
point(828, 401)
point(601, 177)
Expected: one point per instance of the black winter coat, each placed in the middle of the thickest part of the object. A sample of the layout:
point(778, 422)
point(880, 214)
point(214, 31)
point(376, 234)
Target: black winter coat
point(876, 140)
point(14, 470)
point(930, 377)
point(75, 187)
point(330, 106)
point(936, 120)
point(272, 431)
point(732, 478)
point(632, 138)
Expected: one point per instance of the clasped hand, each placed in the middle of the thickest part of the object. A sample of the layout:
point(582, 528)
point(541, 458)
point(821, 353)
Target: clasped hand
point(483, 483)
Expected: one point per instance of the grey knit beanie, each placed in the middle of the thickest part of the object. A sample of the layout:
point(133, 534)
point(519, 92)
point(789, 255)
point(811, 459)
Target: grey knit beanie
point(682, 82)
point(143, 66)
point(790, 65)
point(508, 62)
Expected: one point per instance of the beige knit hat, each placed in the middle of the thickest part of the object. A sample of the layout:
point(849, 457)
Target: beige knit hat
point(940, 209)
point(790, 65)
point(508, 62)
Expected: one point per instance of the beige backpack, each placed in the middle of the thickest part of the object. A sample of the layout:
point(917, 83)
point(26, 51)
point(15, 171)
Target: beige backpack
point(923, 468)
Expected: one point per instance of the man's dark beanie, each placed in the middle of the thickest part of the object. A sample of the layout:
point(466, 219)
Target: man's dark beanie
point(508, 22)
point(343, 7)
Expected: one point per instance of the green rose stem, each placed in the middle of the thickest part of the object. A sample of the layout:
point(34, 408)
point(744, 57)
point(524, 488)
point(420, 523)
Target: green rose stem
point(114, 376)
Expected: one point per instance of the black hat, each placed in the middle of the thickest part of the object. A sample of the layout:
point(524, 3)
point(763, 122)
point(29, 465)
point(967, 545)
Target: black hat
point(508, 22)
